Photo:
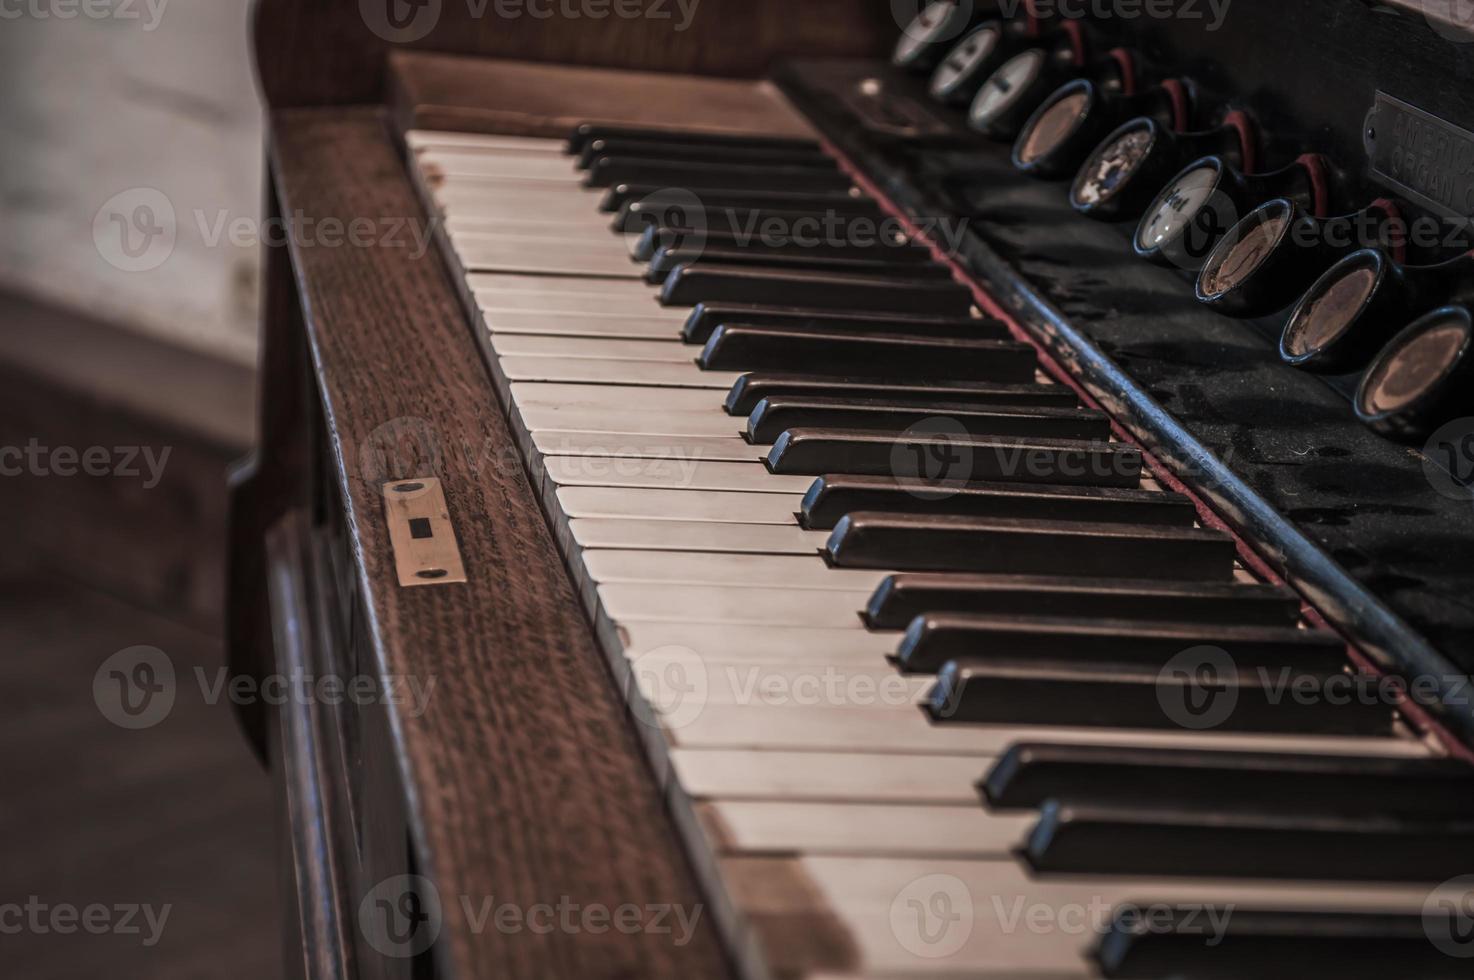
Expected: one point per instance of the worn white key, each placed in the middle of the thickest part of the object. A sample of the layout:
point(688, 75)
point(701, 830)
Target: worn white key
point(679, 505)
point(728, 570)
point(765, 539)
point(1005, 922)
point(834, 609)
point(669, 474)
point(882, 730)
point(506, 202)
point(502, 163)
point(781, 645)
point(864, 829)
point(553, 442)
point(425, 139)
point(529, 345)
point(595, 371)
point(558, 287)
point(627, 326)
point(678, 682)
point(711, 422)
point(576, 305)
point(613, 398)
point(483, 253)
point(829, 776)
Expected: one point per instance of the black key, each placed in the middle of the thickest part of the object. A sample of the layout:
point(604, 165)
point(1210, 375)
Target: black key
point(750, 347)
point(608, 171)
point(668, 259)
point(750, 389)
point(933, 638)
point(733, 215)
point(699, 282)
point(1082, 838)
point(706, 317)
point(776, 415)
point(1136, 696)
point(786, 238)
point(1203, 942)
point(1030, 773)
point(615, 146)
point(899, 599)
point(948, 460)
point(583, 133)
point(708, 196)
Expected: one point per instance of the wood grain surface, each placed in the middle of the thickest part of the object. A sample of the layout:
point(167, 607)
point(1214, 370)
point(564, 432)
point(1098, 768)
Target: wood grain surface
point(525, 778)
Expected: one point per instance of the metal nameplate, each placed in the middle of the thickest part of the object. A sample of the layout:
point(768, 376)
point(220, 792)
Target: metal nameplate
point(420, 532)
point(1425, 158)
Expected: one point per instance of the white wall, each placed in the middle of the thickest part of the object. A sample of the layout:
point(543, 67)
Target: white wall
point(111, 117)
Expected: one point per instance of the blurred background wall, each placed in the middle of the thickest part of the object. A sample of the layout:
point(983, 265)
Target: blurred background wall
point(136, 109)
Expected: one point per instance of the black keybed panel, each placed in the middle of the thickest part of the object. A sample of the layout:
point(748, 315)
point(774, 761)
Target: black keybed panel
point(1378, 533)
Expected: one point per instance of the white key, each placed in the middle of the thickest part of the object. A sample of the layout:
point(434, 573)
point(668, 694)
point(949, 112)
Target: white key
point(484, 253)
point(679, 505)
point(763, 539)
point(613, 398)
point(558, 287)
point(552, 442)
point(882, 730)
point(778, 645)
point(588, 370)
point(834, 609)
point(425, 139)
point(866, 683)
point(829, 776)
point(528, 345)
point(577, 305)
point(627, 326)
point(712, 422)
point(868, 829)
point(669, 474)
point(492, 203)
point(1010, 923)
point(731, 571)
point(501, 164)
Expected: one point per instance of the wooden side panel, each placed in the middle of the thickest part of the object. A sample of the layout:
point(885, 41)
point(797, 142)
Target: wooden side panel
point(316, 52)
point(526, 783)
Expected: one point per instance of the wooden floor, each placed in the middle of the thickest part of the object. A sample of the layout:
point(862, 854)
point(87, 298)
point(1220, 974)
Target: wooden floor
point(176, 815)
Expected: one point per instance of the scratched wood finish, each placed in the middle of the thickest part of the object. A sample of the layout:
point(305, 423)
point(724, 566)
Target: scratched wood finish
point(525, 773)
point(316, 52)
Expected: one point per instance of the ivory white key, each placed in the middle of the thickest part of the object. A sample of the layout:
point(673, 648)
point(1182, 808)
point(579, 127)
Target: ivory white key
point(865, 829)
point(565, 228)
point(426, 139)
point(765, 539)
point(829, 776)
point(679, 505)
point(834, 609)
point(553, 442)
point(670, 474)
point(638, 326)
point(1009, 923)
point(733, 571)
point(595, 371)
point(577, 305)
point(882, 730)
point(486, 253)
point(711, 423)
point(701, 683)
point(782, 645)
point(612, 398)
point(529, 345)
point(558, 287)
point(494, 202)
point(515, 163)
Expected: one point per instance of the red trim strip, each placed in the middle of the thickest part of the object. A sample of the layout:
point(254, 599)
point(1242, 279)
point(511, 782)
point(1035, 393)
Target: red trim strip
point(1127, 65)
point(1315, 166)
point(1077, 40)
point(1248, 139)
point(1398, 230)
point(1415, 716)
point(1177, 92)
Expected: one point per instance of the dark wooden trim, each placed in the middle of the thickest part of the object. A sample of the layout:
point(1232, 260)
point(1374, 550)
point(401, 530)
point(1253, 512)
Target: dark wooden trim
point(526, 763)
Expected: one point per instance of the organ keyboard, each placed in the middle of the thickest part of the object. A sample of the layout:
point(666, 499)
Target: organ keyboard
point(950, 652)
